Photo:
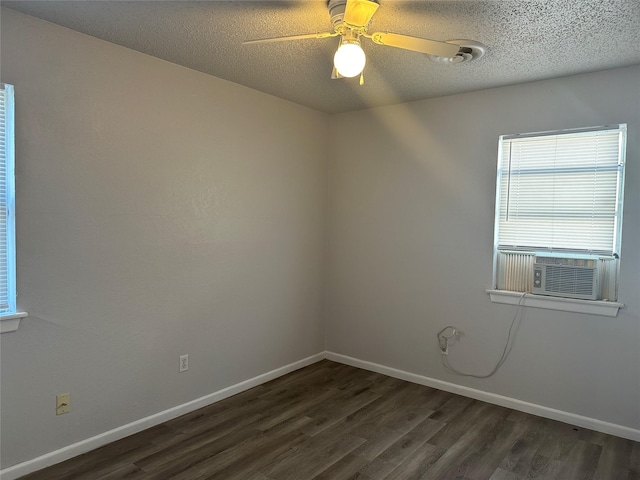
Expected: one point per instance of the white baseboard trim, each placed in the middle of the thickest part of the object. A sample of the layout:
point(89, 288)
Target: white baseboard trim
point(70, 451)
point(65, 453)
point(513, 403)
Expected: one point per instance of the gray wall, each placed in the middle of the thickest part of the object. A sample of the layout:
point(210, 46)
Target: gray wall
point(161, 212)
point(411, 208)
point(164, 212)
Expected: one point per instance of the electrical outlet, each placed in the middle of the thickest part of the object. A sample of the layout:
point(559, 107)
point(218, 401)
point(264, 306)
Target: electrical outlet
point(444, 345)
point(63, 403)
point(444, 340)
point(184, 363)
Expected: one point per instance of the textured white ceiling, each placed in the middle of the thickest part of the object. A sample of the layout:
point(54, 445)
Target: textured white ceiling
point(527, 40)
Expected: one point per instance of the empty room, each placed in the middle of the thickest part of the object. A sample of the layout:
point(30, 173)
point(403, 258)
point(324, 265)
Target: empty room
point(311, 239)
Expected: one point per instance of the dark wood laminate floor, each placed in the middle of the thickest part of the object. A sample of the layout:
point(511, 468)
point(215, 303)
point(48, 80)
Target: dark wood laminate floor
point(334, 422)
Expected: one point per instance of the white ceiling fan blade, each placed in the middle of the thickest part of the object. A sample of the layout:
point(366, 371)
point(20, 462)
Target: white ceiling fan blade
point(292, 37)
point(422, 45)
point(359, 12)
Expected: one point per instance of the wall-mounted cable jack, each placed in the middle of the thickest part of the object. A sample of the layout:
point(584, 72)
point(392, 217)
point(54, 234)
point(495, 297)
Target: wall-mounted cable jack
point(447, 336)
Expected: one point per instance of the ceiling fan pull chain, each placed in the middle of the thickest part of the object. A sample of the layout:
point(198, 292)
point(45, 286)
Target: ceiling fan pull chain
point(362, 78)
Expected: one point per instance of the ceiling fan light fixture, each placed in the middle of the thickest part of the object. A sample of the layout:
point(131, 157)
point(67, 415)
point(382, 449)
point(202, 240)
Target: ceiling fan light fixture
point(351, 20)
point(349, 59)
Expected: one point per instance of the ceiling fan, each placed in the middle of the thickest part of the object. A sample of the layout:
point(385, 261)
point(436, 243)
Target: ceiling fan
point(351, 20)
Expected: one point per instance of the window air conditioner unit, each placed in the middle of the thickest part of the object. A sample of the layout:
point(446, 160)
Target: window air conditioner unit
point(571, 277)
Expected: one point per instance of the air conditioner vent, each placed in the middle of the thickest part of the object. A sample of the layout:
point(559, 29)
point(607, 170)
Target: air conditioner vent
point(566, 277)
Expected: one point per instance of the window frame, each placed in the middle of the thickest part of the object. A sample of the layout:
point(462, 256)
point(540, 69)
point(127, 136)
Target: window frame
point(10, 318)
point(598, 307)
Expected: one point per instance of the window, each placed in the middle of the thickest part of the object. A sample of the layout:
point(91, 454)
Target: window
point(559, 200)
point(8, 316)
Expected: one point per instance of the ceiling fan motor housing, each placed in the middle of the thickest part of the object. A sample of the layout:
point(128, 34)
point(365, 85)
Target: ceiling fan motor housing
point(336, 11)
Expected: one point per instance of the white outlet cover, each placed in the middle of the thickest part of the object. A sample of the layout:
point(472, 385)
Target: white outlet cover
point(184, 363)
point(63, 403)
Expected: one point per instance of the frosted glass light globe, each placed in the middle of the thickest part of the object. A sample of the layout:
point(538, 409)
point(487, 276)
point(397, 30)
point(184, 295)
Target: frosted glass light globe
point(349, 59)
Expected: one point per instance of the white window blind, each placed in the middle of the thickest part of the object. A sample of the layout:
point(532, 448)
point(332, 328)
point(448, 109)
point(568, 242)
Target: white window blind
point(7, 247)
point(561, 192)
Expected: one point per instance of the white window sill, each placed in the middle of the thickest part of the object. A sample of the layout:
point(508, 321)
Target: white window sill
point(11, 321)
point(593, 307)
